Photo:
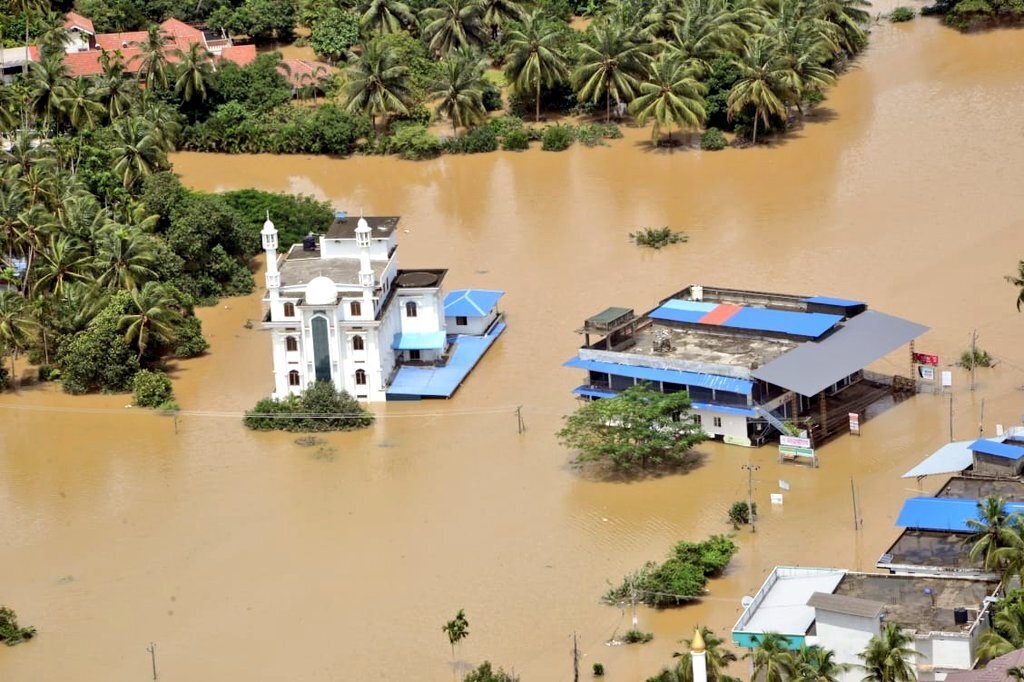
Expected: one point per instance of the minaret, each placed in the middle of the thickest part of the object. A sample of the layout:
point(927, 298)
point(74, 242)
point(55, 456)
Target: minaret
point(273, 277)
point(697, 657)
point(363, 232)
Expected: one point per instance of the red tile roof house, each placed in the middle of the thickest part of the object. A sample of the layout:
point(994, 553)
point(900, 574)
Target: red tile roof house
point(303, 72)
point(996, 670)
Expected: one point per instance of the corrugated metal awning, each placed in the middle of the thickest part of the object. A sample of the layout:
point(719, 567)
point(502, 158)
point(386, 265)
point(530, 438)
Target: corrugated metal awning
point(674, 376)
point(420, 341)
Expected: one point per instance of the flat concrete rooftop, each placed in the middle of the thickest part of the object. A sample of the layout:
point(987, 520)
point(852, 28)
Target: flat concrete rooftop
point(299, 266)
point(906, 602)
point(717, 347)
point(931, 549)
point(977, 488)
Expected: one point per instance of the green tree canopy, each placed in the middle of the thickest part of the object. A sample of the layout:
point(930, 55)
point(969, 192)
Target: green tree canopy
point(637, 428)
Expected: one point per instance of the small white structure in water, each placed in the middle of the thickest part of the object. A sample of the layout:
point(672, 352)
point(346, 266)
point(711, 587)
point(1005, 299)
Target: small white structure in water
point(339, 309)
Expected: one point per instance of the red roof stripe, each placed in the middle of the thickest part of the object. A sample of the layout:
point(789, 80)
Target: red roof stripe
point(719, 314)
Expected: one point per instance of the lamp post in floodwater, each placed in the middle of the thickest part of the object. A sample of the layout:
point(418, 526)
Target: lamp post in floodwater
point(751, 468)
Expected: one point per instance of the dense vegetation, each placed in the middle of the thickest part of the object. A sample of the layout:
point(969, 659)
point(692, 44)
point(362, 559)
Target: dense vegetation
point(969, 15)
point(680, 579)
point(10, 632)
point(320, 408)
point(638, 428)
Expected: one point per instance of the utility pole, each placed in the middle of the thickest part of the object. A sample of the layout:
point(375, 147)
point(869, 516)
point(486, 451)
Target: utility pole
point(152, 655)
point(520, 424)
point(981, 420)
point(950, 417)
point(856, 515)
point(575, 659)
point(751, 468)
point(974, 355)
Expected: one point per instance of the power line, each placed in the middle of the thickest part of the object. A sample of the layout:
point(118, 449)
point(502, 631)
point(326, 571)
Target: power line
point(239, 415)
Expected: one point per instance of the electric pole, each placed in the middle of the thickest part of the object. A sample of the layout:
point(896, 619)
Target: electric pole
point(575, 659)
point(751, 468)
point(974, 355)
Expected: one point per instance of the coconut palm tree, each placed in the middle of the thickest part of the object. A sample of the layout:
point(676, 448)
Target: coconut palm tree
point(165, 120)
point(704, 29)
point(10, 105)
point(497, 13)
point(63, 260)
point(154, 69)
point(139, 150)
point(849, 16)
point(771, 658)
point(48, 78)
point(152, 317)
point(113, 86)
point(33, 226)
point(377, 84)
point(385, 16)
point(16, 325)
point(55, 38)
point(817, 664)
point(535, 58)
point(805, 44)
point(994, 531)
point(1007, 632)
point(80, 105)
point(716, 658)
point(1018, 281)
point(459, 90)
point(125, 258)
point(889, 657)
point(764, 83)
point(453, 24)
point(29, 8)
point(671, 95)
point(611, 66)
point(193, 72)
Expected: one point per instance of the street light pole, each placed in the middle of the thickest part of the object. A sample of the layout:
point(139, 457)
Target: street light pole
point(751, 468)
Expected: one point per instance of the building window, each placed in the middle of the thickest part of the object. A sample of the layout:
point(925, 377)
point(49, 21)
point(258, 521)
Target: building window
point(356, 308)
point(410, 309)
point(461, 321)
point(357, 343)
point(718, 422)
point(289, 310)
point(414, 355)
point(291, 343)
point(293, 378)
point(321, 349)
point(360, 377)
point(696, 419)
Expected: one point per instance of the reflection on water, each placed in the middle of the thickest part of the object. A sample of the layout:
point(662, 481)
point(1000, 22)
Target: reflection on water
point(245, 555)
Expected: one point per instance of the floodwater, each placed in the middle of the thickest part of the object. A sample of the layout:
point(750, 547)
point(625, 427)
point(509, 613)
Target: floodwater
point(245, 556)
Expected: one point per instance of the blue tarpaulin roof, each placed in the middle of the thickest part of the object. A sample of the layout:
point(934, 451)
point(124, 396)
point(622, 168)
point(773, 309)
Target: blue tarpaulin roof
point(471, 302)
point(419, 341)
point(712, 381)
point(997, 449)
point(943, 513)
point(828, 300)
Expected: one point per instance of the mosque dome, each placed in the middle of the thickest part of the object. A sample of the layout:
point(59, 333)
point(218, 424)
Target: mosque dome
point(268, 227)
point(321, 291)
point(362, 225)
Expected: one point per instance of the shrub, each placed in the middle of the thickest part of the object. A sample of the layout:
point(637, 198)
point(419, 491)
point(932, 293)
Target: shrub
point(713, 140)
point(10, 633)
point(657, 238)
point(151, 389)
point(485, 673)
point(320, 408)
point(189, 341)
point(294, 216)
point(46, 373)
point(99, 358)
point(637, 637)
point(557, 138)
point(597, 133)
point(3, 378)
point(415, 142)
point(476, 141)
point(492, 98)
point(516, 141)
point(598, 670)
point(503, 125)
point(901, 14)
point(977, 357)
point(741, 512)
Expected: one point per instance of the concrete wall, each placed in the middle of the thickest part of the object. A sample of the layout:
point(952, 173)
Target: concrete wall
point(347, 248)
point(847, 636)
point(732, 427)
point(660, 362)
point(474, 325)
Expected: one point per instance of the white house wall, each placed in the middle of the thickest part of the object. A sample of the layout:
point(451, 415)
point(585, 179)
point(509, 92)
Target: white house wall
point(846, 635)
point(732, 428)
point(474, 325)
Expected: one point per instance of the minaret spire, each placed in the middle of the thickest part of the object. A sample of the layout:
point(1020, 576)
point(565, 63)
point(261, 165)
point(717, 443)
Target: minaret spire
point(698, 658)
point(273, 277)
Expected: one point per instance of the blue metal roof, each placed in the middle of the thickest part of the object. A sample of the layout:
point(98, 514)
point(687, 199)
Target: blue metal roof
point(413, 383)
point(728, 409)
point(712, 381)
point(997, 449)
point(420, 341)
point(683, 304)
point(944, 513)
point(673, 314)
point(811, 325)
point(471, 302)
point(828, 300)
point(593, 392)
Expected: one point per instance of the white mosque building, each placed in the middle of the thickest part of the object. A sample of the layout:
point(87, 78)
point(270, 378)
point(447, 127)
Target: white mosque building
point(339, 309)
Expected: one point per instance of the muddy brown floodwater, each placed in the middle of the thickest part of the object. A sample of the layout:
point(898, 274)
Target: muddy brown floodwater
point(244, 556)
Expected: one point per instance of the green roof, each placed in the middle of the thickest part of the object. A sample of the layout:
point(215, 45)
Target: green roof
point(608, 316)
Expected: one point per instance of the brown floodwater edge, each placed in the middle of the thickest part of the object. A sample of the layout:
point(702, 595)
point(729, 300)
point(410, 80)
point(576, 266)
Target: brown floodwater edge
point(244, 554)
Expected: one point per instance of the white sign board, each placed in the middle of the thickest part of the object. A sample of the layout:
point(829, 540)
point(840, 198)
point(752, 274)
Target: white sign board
point(795, 441)
point(776, 498)
point(926, 373)
point(854, 422)
point(947, 379)
point(783, 484)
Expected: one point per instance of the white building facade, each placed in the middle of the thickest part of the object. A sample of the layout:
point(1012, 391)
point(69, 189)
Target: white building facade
point(340, 310)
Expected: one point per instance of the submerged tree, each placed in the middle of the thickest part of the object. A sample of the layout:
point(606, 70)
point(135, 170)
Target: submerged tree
point(459, 89)
point(637, 428)
point(763, 84)
point(1018, 281)
point(534, 59)
point(10, 632)
point(377, 84)
point(672, 96)
point(457, 629)
point(611, 66)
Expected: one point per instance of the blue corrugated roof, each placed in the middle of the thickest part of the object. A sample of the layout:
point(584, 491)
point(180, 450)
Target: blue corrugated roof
point(997, 449)
point(471, 302)
point(412, 383)
point(593, 392)
point(943, 513)
point(811, 325)
point(828, 300)
point(419, 341)
point(683, 304)
point(671, 314)
point(712, 381)
point(728, 409)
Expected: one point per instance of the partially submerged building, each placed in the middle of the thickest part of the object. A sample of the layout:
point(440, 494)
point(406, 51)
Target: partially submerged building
point(750, 361)
point(340, 309)
point(998, 457)
point(842, 610)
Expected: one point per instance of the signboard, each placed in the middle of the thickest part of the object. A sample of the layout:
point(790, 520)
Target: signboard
point(854, 423)
point(926, 359)
point(776, 498)
point(947, 379)
point(793, 451)
point(795, 441)
point(783, 484)
point(926, 373)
